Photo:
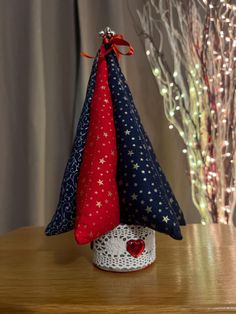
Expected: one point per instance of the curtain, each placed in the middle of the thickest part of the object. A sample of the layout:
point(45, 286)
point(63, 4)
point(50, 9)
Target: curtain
point(42, 87)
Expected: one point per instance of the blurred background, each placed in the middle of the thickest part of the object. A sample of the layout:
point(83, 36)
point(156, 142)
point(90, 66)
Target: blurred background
point(42, 87)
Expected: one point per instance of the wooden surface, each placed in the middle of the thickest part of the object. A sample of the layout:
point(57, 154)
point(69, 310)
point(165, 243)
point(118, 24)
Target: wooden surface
point(41, 274)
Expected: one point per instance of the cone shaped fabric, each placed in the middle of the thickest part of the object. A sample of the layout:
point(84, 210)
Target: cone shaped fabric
point(64, 217)
point(145, 196)
point(174, 204)
point(119, 179)
point(97, 209)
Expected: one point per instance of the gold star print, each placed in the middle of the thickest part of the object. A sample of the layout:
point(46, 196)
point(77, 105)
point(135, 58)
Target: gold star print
point(99, 204)
point(101, 161)
point(148, 209)
point(165, 219)
point(103, 87)
point(130, 152)
point(134, 196)
point(136, 166)
point(106, 101)
point(109, 193)
point(100, 182)
point(144, 218)
point(105, 134)
point(127, 132)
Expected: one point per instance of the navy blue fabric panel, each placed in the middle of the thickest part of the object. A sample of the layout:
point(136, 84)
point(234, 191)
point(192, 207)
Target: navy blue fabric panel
point(174, 204)
point(64, 217)
point(145, 196)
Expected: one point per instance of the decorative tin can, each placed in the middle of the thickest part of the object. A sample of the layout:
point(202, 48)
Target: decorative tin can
point(126, 248)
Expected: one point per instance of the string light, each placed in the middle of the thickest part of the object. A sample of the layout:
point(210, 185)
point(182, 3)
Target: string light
point(164, 91)
point(197, 96)
point(156, 71)
point(226, 143)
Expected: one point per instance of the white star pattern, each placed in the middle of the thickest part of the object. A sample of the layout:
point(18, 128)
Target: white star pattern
point(134, 196)
point(142, 185)
point(148, 209)
point(100, 182)
point(165, 219)
point(136, 166)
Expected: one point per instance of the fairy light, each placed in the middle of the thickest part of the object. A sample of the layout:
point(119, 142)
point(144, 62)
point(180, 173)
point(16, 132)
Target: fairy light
point(156, 71)
point(226, 143)
point(197, 96)
point(164, 91)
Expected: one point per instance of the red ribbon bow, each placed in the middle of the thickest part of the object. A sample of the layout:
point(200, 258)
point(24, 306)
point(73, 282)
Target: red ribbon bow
point(113, 43)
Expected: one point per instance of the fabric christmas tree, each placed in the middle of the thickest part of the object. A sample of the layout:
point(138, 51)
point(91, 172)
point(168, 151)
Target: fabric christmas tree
point(113, 175)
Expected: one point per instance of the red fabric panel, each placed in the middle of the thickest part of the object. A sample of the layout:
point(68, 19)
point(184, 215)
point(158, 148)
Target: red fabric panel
point(97, 201)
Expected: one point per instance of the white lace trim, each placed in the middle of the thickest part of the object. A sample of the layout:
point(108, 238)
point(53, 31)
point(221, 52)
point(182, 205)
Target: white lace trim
point(110, 253)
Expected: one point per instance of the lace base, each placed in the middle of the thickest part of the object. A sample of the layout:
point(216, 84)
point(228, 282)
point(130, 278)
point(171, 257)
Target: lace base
point(115, 251)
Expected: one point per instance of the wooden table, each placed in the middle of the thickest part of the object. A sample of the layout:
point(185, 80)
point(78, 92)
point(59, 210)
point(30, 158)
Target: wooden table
point(40, 274)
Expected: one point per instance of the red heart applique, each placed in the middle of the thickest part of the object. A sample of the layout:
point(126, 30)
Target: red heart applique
point(135, 247)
